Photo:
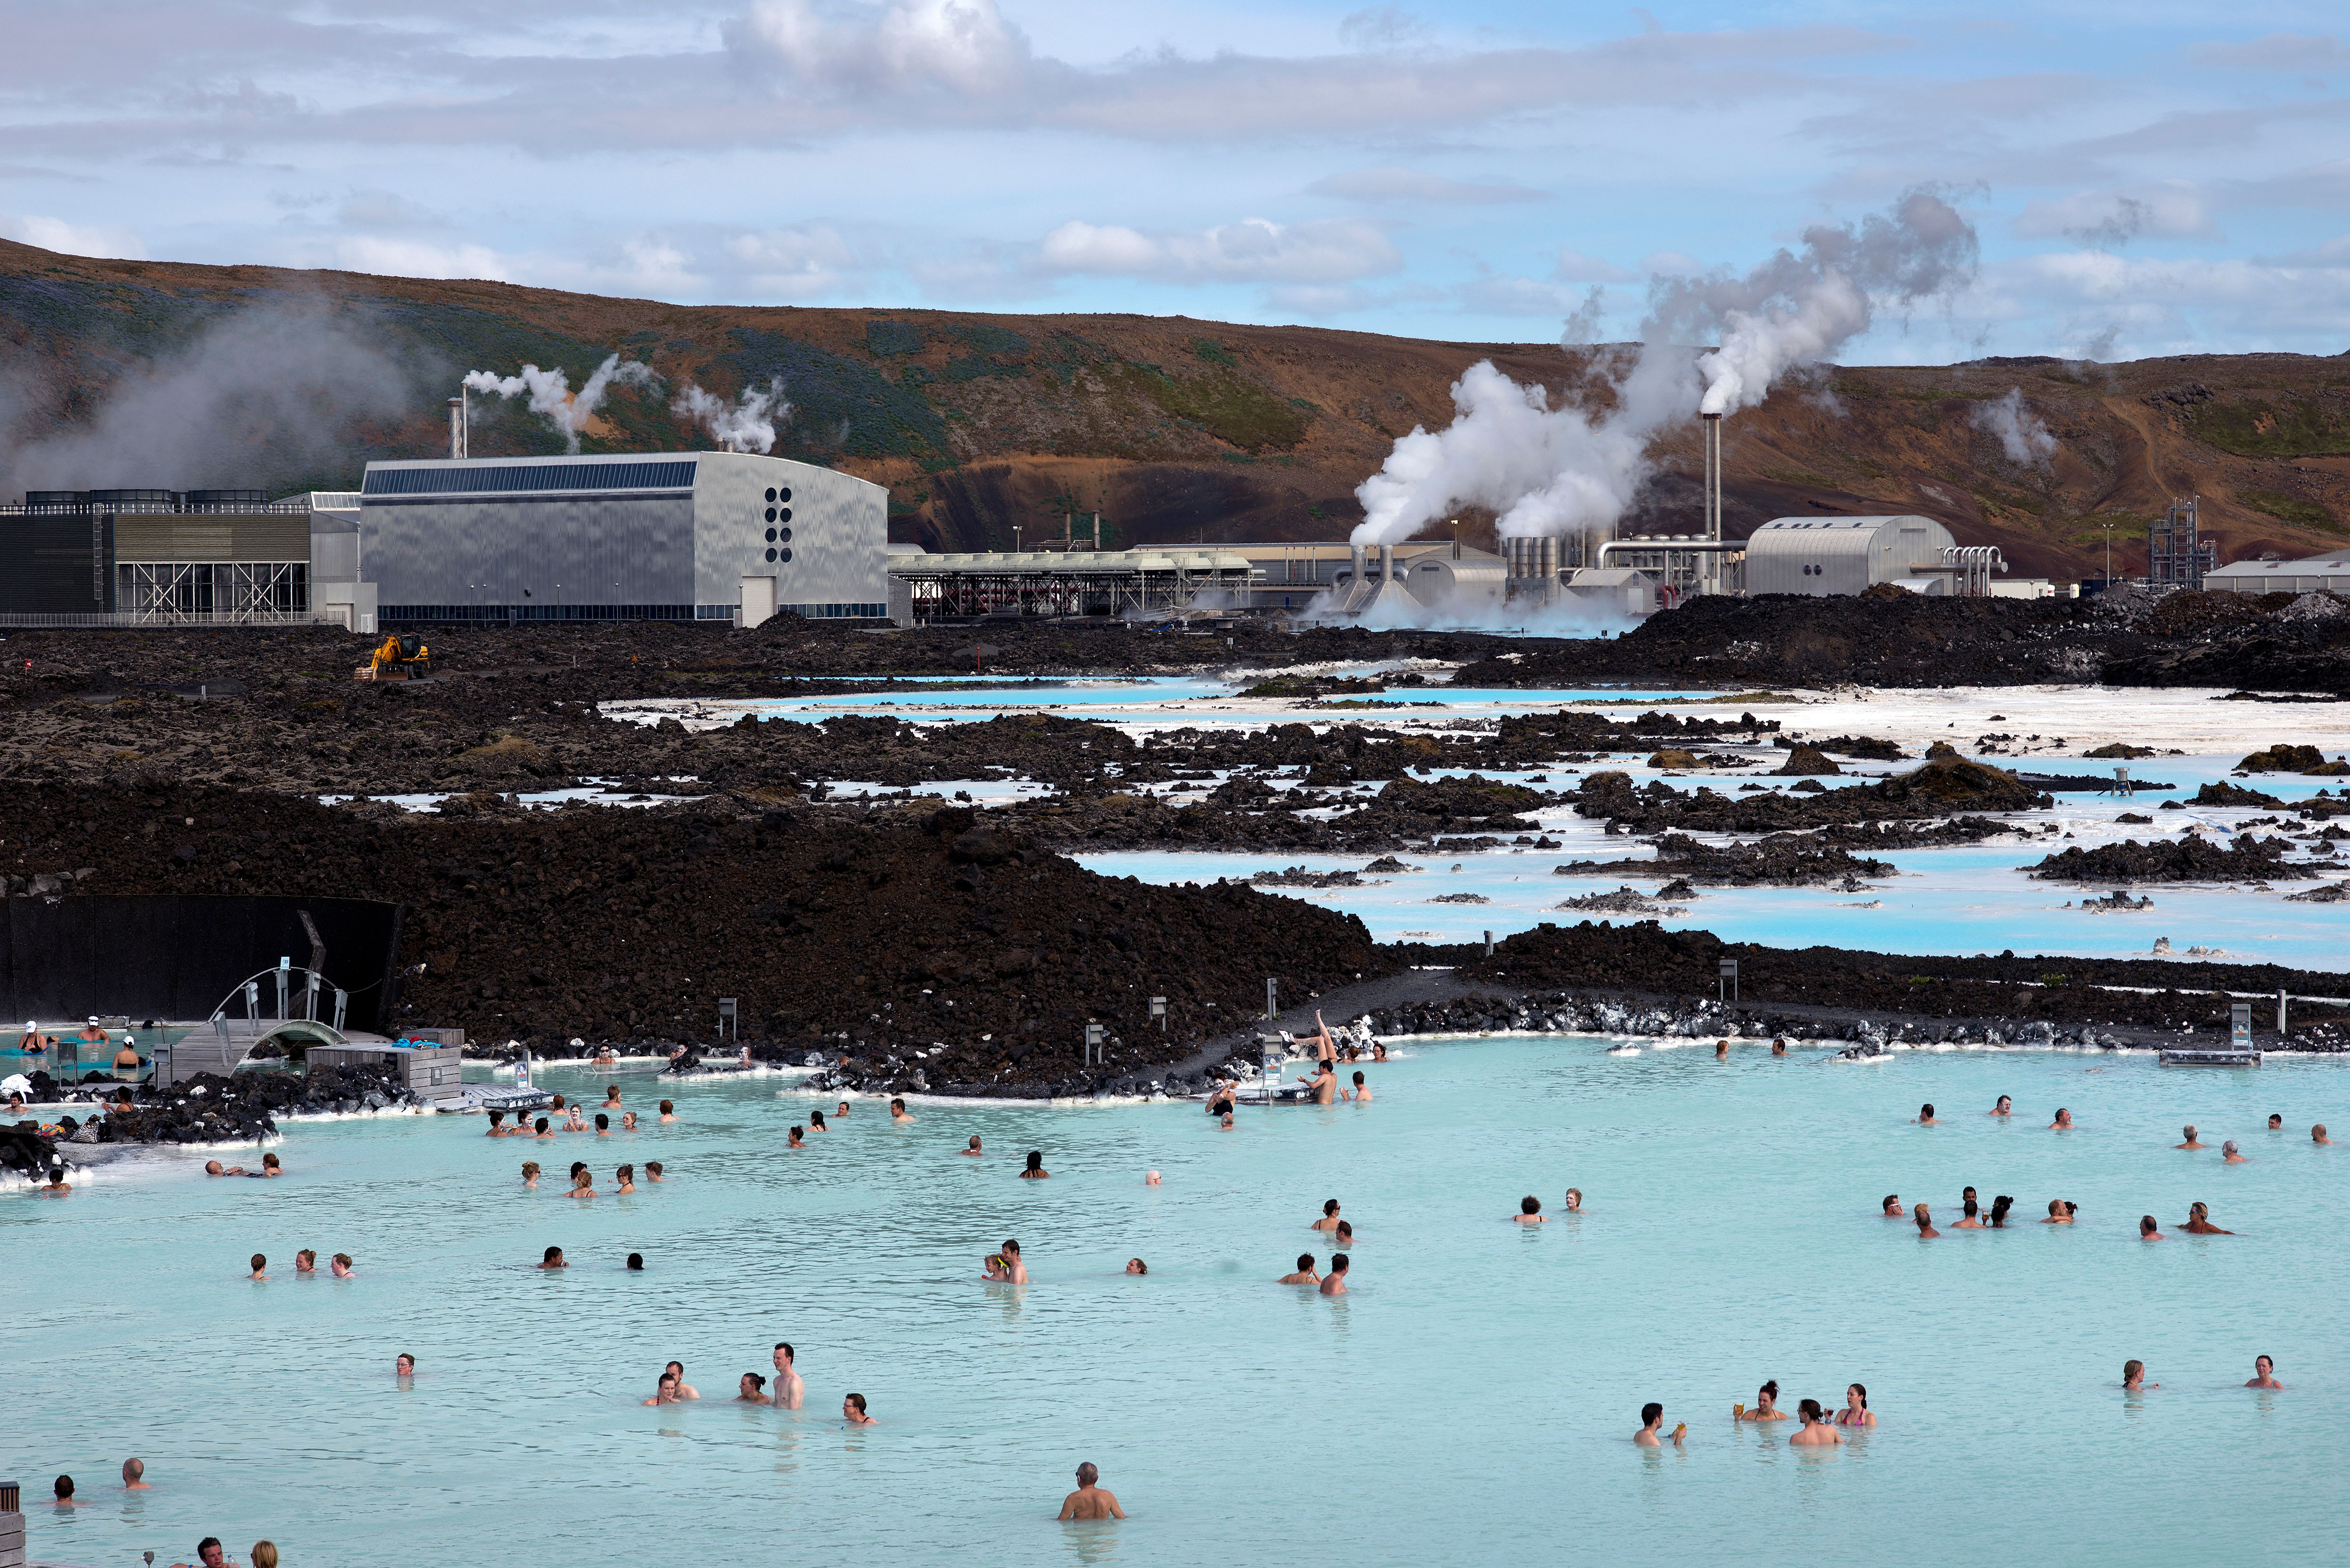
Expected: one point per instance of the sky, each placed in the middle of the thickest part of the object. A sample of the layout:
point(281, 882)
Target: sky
point(2147, 177)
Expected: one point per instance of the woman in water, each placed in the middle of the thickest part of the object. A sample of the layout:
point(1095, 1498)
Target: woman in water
point(626, 1178)
point(1815, 1432)
point(2060, 1211)
point(530, 1173)
point(2133, 1378)
point(1998, 1208)
point(1574, 1201)
point(2198, 1222)
point(1136, 1266)
point(1329, 1220)
point(816, 1122)
point(2263, 1373)
point(752, 1390)
point(583, 1183)
point(798, 1138)
point(1855, 1411)
point(1925, 1218)
point(1035, 1171)
point(1766, 1405)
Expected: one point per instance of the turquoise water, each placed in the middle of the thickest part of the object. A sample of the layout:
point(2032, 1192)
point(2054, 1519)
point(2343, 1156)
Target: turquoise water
point(1470, 1401)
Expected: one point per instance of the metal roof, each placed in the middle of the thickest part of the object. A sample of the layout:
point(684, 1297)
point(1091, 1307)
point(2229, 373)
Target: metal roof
point(1072, 563)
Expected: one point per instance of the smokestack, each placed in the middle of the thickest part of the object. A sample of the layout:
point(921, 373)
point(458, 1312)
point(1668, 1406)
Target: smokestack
point(1713, 476)
point(1356, 551)
point(1547, 566)
point(457, 428)
point(1387, 564)
point(1096, 532)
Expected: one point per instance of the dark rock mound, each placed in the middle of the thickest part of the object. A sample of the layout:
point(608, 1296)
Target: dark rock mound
point(2189, 859)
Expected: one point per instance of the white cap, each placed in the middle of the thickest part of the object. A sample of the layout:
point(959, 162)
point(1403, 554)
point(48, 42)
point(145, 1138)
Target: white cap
point(93, 1018)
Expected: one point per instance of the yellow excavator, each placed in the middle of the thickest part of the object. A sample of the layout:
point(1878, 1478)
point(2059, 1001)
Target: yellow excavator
point(402, 656)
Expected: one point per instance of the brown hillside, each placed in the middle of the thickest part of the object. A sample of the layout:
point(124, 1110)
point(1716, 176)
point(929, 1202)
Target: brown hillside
point(1179, 430)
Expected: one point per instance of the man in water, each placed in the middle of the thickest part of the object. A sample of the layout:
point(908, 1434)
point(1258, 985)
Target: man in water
point(844, 1109)
point(1362, 1091)
point(1225, 1125)
point(1778, 1047)
point(1530, 1212)
point(2317, 1135)
point(62, 1493)
point(542, 1129)
point(1322, 1084)
point(1652, 1419)
point(1926, 1116)
point(2229, 1155)
point(852, 1410)
point(2064, 1122)
point(652, 1170)
point(668, 1111)
point(2263, 1373)
point(1892, 1209)
point(974, 1149)
point(1305, 1274)
point(134, 1472)
point(214, 1167)
point(2006, 1108)
point(797, 1139)
point(1343, 1236)
point(403, 1366)
point(636, 1263)
point(684, 1390)
point(1016, 1267)
point(2147, 1230)
point(789, 1390)
point(898, 1111)
point(1091, 1500)
point(2276, 1120)
point(1721, 1050)
point(260, 1267)
point(497, 1124)
point(553, 1258)
point(1925, 1217)
point(603, 1125)
point(2198, 1222)
point(1335, 1283)
point(2192, 1142)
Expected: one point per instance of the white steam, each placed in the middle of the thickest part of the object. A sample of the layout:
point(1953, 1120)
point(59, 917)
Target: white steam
point(550, 392)
point(1547, 471)
point(2021, 434)
point(745, 426)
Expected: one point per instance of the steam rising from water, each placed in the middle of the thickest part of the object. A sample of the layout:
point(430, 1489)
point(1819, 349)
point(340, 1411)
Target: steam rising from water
point(550, 393)
point(1556, 471)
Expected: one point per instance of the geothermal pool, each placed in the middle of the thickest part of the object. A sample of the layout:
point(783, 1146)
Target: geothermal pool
point(1471, 1400)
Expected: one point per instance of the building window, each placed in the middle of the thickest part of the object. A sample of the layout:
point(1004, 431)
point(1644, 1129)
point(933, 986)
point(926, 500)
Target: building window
point(784, 535)
point(771, 511)
point(788, 555)
point(783, 515)
point(784, 494)
point(771, 533)
point(770, 554)
point(771, 493)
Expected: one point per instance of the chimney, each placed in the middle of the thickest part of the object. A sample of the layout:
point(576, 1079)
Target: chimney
point(457, 428)
point(1713, 476)
point(1387, 564)
point(1356, 553)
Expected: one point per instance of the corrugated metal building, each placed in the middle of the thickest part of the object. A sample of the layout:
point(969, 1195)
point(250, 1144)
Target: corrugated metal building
point(130, 557)
point(688, 536)
point(1824, 555)
point(2314, 574)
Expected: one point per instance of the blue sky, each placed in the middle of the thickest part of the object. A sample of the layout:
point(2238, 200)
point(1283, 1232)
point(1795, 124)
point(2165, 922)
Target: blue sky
point(2147, 178)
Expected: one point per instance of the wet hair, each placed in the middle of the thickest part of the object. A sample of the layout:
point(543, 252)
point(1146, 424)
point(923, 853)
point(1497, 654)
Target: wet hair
point(603, 1122)
point(1087, 1474)
point(2276, 1118)
point(2228, 1146)
point(65, 1487)
point(1998, 1208)
point(858, 1400)
point(577, 1167)
point(1358, 1077)
point(540, 1125)
point(396, 1360)
point(1969, 1208)
point(1768, 1390)
point(553, 1253)
point(1652, 1412)
point(626, 1173)
point(259, 1262)
point(2133, 1370)
point(1140, 1266)
point(815, 1118)
point(1892, 1204)
point(637, 1262)
point(1530, 1205)
point(654, 1166)
point(2146, 1226)
point(758, 1383)
point(1862, 1390)
point(1036, 1160)
point(896, 1105)
point(1809, 1409)
point(1338, 1263)
point(344, 1259)
point(269, 1159)
point(666, 1107)
point(134, 1470)
point(496, 1117)
point(1925, 1112)
point(785, 1346)
point(2189, 1130)
point(1345, 1232)
point(974, 1142)
point(1329, 1207)
point(798, 1131)
point(1304, 1262)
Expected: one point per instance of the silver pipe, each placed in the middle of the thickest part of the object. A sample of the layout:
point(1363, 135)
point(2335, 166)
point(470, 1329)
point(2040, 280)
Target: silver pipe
point(1387, 564)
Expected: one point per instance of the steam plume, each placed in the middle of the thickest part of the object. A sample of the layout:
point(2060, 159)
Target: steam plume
point(747, 426)
point(550, 392)
point(2021, 434)
point(1552, 471)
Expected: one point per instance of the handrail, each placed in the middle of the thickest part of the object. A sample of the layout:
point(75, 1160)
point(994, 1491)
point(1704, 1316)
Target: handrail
point(253, 999)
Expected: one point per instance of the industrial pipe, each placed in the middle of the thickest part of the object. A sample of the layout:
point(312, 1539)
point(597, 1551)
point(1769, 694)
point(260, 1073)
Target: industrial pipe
point(1387, 565)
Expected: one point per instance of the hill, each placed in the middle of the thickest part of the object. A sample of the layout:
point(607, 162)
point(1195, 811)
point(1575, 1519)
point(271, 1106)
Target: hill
point(1175, 430)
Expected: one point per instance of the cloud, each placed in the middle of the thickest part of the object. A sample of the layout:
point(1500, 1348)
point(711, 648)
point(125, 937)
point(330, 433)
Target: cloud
point(385, 210)
point(2296, 54)
point(792, 264)
point(1255, 250)
point(72, 239)
point(2111, 219)
point(1573, 266)
point(1382, 27)
point(962, 48)
point(1411, 185)
point(386, 257)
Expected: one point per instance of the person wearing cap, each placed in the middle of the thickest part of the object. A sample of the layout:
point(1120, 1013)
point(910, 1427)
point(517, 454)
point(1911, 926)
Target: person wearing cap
point(35, 1042)
point(126, 1061)
point(92, 1032)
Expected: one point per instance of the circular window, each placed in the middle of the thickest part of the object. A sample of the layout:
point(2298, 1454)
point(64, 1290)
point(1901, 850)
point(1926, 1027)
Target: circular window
point(788, 555)
point(784, 494)
point(771, 493)
point(785, 516)
point(770, 554)
point(771, 535)
point(784, 535)
point(771, 511)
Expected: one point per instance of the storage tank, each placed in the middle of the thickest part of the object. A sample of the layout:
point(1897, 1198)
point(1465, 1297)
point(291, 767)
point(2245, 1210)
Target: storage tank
point(1825, 556)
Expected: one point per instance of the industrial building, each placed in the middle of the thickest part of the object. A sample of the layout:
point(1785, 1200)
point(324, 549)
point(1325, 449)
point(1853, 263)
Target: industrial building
point(2314, 574)
point(1064, 582)
point(688, 535)
point(135, 557)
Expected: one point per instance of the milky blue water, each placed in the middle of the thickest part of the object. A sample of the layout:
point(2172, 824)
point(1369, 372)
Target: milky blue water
point(1471, 1400)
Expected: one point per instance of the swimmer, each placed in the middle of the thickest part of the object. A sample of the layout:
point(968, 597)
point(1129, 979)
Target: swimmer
point(1324, 1084)
point(603, 1125)
point(665, 1391)
point(852, 1410)
point(628, 1121)
point(134, 1474)
point(1378, 1052)
point(1343, 1236)
point(684, 1390)
point(1778, 1047)
point(1926, 1116)
point(553, 1258)
point(1360, 1094)
point(2263, 1373)
point(798, 1138)
point(2192, 1142)
point(1925, 1218)
point(1225, 1125)
point(1091, 1500)
point(1307, 1274)
point(1016, 1267)
point(636, 1263)
point(1325, 1050)
point(214, 1167)
point(1766, 1405)
point(1816, 1432)
point(1329, 1220)
point(1652, 1419)
point(789, 1390)
point(341, 1265)
point(1530, 1212)
point(574, 1121)
point(816, 1122)
point(403, 1366)
point(668, 1111)
point(1334, 1282)
point(583, 1183)
point(2147, 1230)
point(1574, 1201)
point(2198, 1222)
point(530, 1173)
point(541, 1128)
point(625, 1179)
point(2064, 1122)
point(2317, 1135)
point(604, 1057)
point(1967, 1212)
point(2133, 1378)
point(62, 1493)
point(1136, 1266)
point(1855, 1411)
point(2276, 1121)
point(1150, 1178)
point(1998, 1208)
point(497, 1124)
point(1721, 1050)
point(2061, 1213)
point(2006, 1108)
point(752, 1390)
point(653, 1170)
point(1891, 1209)
point(974, 1149)
point(1035, 1171)
point(260, 1268)
point(56, 1186)
point(611, 1097)
point(269, 1166)
point(2229, 1155)
point(898, 1111)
